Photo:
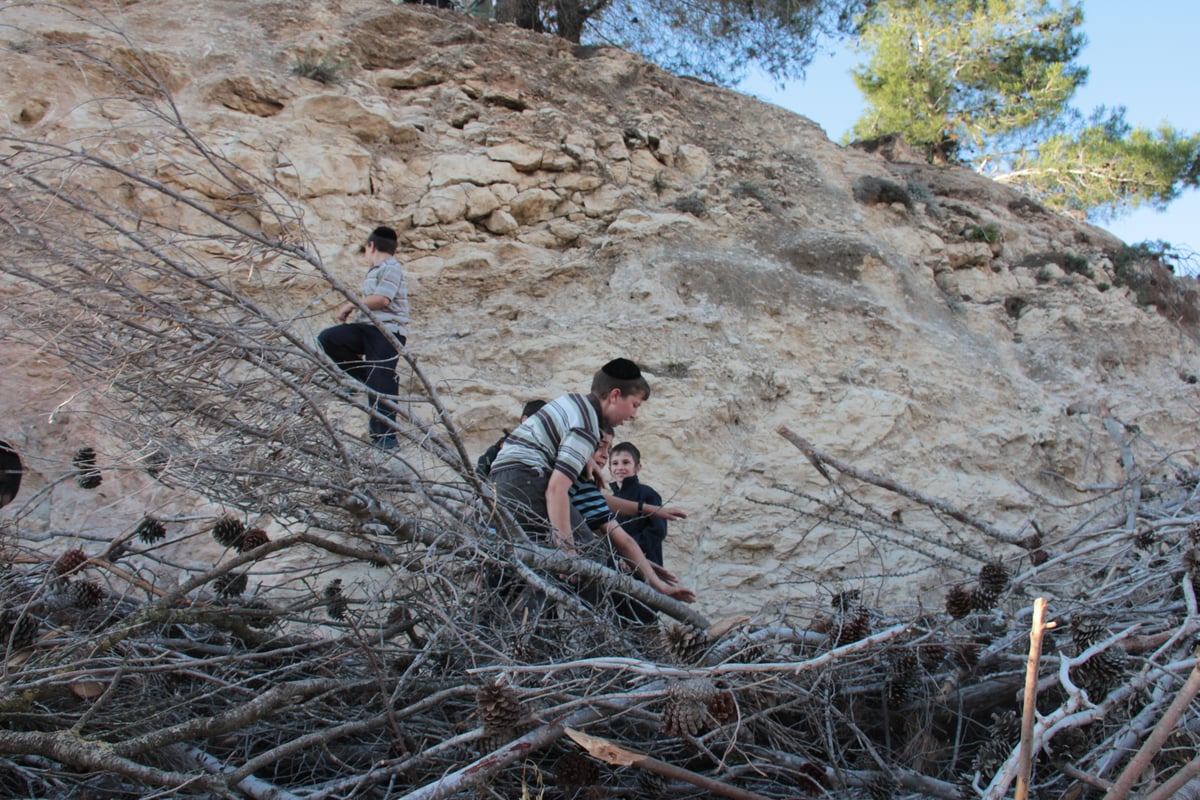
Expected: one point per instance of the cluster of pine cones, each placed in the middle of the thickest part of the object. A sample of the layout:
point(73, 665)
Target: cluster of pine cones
point(993, 580)
point(86, 474)
point(230, 531)
point(78, 592)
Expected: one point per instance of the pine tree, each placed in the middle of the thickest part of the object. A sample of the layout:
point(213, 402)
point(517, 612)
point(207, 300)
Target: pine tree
point(715, 40)
point(988, 83)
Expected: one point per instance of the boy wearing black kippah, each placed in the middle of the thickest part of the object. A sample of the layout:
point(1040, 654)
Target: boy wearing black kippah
point(541, 459)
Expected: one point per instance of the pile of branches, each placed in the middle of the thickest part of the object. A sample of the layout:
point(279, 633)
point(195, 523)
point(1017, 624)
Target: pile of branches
point(396, 634)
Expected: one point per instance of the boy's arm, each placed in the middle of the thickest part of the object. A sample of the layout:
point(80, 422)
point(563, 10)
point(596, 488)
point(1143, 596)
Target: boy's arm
point(375, 302)
point(631, 508)
point(558, 509)
point(628, 548)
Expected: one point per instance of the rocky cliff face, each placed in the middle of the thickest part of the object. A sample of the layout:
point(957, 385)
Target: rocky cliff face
point(559, 206)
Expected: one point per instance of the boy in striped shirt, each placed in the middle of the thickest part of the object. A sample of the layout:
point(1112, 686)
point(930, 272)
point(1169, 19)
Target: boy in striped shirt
point(541, 459)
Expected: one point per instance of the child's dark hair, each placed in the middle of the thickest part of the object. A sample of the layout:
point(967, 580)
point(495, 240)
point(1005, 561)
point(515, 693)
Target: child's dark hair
point(627, 447)
point(384, 239)
point(532, 407)
point(607, 430)
point(623, 374)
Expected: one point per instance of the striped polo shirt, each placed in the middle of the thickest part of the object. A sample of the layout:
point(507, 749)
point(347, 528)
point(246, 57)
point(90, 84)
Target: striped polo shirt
point(590, 503)
point(562, 436)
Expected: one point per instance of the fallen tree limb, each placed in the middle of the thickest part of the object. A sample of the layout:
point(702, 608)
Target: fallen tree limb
point(819, 459)
point(614, 754)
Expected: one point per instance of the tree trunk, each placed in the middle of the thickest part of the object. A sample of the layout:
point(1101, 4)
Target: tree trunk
point(570, 20)
point(525, 15)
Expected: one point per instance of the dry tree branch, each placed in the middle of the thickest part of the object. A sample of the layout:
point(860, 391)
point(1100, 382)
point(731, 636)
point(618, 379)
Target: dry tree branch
point(358, 650)
point(820, 458)
point(1154, 742)
point(1025, 763)
point(622, 757)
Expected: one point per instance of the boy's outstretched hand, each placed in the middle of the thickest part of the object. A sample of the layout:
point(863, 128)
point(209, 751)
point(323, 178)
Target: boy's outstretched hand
point(680, 593)
point(662, 512)
point(668, 584)
point(664, 574)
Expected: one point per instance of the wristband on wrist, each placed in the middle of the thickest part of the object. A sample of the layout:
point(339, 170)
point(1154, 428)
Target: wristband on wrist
point(641, 507)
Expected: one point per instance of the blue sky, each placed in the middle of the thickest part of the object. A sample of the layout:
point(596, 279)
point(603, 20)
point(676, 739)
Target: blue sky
point(1142, 55)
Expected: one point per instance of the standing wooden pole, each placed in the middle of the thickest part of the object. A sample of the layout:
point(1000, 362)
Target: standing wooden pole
point(1025, 754)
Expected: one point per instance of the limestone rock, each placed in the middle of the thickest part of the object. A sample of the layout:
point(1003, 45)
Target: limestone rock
point(552, 218)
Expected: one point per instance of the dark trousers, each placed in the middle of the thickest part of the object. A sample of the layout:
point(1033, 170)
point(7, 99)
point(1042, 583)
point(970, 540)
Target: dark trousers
point(365, 354)
point(522, 490)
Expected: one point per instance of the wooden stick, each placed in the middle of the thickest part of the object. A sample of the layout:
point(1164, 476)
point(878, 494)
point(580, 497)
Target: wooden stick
point(619, 756)
point(1174, 785)
point(1029, 711)
point(1149, 749)
point(819, 459)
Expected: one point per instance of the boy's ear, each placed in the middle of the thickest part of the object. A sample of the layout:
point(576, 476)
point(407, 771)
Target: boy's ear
point(613, 395)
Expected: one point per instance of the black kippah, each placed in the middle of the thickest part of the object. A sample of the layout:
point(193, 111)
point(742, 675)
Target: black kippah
point(384, 232)
point(622, 369)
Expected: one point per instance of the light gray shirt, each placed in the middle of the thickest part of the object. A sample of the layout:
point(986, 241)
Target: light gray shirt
point(387, 280)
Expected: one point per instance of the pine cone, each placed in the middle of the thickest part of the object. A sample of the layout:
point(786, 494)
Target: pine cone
point(499, 707)
point(86, 474)
point(335, 602)
point(967, 655)
point(852, 628)
point(932, 655)
point(86, 594)
point(257, 613)
point(904, 677)
point(19, 629)
point(150, 530)
point(1003, 735)
point(70, 562)
point(651, 784)
point(231, 584)
point(686, 644)
point(849, 600)
point(1070, 744)
point(1101, 673)
point(993, 580)
point(255, 537)
point(686, 710)
point(723, 707)
point(1086, 630)
point(959, 601)
point(228, 531)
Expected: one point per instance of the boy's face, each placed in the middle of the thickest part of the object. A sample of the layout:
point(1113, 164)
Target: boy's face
point(372, 254)
point(621, 465)
point(601, 456)
point(617, 408)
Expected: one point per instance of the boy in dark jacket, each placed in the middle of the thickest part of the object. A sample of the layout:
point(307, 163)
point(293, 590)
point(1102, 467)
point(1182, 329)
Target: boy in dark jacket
point(646, 529)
